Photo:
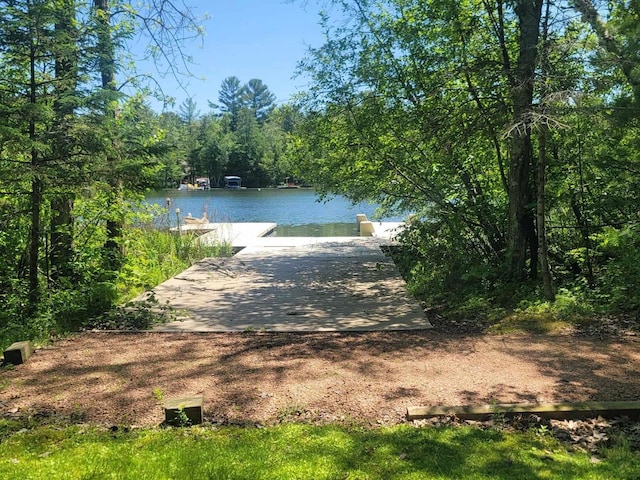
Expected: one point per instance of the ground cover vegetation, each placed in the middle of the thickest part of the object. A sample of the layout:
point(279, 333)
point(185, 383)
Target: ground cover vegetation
point(302, 451)
point(509, 128)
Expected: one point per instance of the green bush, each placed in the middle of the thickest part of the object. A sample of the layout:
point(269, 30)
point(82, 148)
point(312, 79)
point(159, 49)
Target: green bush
point(618, 256)
point(461, 283)
point(90, 297)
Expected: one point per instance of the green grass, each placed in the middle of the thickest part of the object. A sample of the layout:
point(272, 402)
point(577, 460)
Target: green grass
point(153, 256)
point(293, 451)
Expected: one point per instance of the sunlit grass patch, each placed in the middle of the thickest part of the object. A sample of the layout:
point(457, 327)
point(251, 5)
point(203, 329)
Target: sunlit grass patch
point(543, 317)
point(298, 451)
point(529, 322)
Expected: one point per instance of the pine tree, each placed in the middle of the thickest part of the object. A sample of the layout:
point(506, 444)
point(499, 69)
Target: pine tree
point(231, 96)
point(259, 99)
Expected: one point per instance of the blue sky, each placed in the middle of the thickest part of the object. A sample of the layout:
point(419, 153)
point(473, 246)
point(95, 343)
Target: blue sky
point(248, 39)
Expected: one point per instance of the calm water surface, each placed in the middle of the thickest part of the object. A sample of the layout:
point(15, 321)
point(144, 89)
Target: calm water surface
point(296, 211)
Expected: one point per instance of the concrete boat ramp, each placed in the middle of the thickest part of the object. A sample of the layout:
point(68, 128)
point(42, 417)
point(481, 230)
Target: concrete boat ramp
point(292, 284)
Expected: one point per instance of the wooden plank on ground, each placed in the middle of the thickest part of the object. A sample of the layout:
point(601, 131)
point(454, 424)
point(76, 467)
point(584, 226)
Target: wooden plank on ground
point(559, 411)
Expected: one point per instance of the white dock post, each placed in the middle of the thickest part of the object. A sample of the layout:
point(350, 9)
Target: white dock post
point(361, 217)
point(366, 229)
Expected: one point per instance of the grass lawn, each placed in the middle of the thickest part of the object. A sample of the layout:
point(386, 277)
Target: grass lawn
point(293, 451)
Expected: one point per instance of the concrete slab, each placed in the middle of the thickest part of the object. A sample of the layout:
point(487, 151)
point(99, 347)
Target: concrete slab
point(293, 284)
point(313, 245)
point(560, 411)
point(387, 230)
point(236, 234)
point(245, 234)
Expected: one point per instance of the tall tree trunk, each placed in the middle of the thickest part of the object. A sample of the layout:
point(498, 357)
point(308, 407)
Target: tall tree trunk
point(106, 50)
point(66, 84)
point(62, 223)
point(36, 188)
point(547, 280)
point(107, 65)
point(578, 207)
point(521, 225)
point(543, 256)
point(34, 237)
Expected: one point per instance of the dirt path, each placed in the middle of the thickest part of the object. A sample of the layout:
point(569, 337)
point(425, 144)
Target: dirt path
point(366, 378)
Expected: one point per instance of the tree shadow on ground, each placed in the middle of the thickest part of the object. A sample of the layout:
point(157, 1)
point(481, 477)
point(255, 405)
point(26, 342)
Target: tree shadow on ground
point(364, 376)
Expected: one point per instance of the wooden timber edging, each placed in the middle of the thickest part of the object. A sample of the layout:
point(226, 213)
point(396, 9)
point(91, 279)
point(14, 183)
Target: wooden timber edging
point(190, 407)
point(557, 411)
point(18, 353)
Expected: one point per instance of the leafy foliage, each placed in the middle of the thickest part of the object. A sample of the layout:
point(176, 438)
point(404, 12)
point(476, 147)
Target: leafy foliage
point(73, 150)
point(419, 106)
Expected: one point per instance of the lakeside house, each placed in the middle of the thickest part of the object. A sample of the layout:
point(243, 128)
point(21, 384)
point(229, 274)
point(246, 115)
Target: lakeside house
point(233, 182)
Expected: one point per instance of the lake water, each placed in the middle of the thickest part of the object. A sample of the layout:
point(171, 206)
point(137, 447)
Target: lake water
point(296, 211)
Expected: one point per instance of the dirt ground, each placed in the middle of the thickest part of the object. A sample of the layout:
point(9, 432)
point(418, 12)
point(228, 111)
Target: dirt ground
point(360, 378)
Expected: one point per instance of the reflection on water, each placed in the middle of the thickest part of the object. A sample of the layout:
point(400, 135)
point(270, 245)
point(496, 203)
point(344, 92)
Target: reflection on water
point(298, 212)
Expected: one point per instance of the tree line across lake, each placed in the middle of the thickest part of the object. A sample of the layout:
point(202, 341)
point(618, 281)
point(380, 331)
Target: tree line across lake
point(246, 134)
point(511, 129)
